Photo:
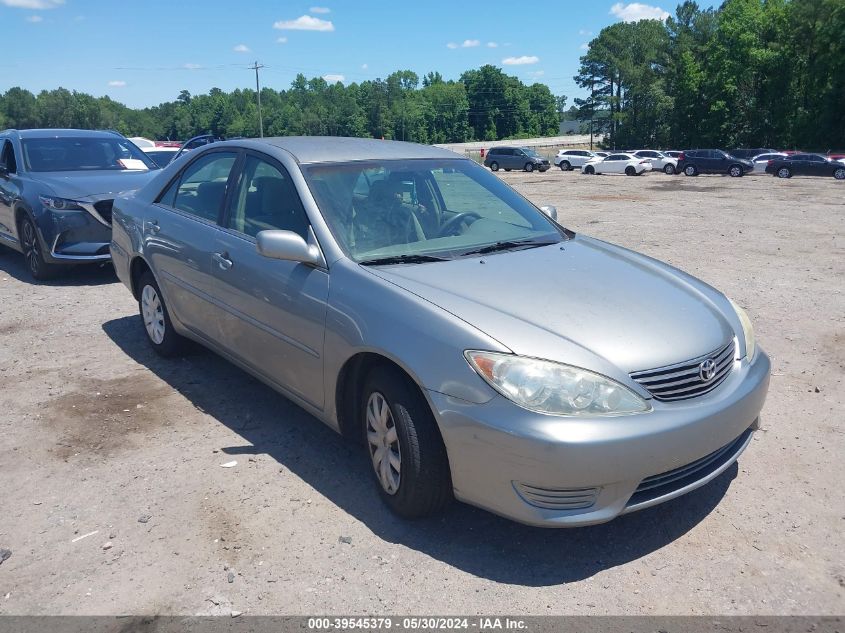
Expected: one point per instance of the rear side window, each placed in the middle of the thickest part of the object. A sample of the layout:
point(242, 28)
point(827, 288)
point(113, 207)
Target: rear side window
point(7, 157)
point(202, 186)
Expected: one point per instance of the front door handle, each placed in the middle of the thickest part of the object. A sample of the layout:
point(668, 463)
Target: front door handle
point(153, 226)
point(222, 260)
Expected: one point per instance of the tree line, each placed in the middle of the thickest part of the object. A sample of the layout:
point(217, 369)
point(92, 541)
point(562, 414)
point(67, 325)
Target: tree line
point(484, 104)
point(752, 73)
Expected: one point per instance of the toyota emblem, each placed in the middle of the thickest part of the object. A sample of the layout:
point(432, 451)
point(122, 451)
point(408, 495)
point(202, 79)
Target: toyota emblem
point(707, 370)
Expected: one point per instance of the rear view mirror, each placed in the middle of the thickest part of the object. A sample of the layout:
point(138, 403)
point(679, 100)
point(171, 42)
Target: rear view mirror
point(550, 211)
point(288, 246)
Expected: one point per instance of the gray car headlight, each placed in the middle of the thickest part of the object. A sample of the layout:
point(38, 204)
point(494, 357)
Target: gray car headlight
point(555, 388)
point(747, 330)
point(60, 204)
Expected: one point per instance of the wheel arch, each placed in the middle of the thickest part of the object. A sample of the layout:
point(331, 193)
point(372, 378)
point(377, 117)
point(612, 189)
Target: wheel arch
point(138, 267)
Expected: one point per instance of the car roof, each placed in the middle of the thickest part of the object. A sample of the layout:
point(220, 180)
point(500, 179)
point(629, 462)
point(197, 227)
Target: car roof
point(331, 149)
point(66, 133)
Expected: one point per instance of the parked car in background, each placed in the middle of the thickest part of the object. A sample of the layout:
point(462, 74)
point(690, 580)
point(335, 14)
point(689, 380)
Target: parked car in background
point(344, 273)
point(196, 142)
point(161, 155)
point(659, 161)
point(749, 153)
point(142, 142)
point(56, 193)
point(760, 162)
point(806, 165)
point(602, 154)
point(712, 161)
point(507, 158)
point(619, 163)
point(674, 153)
point(569, 159)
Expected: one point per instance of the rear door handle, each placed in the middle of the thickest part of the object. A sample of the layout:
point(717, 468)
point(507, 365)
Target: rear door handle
point(222, 260)
point(153, 226)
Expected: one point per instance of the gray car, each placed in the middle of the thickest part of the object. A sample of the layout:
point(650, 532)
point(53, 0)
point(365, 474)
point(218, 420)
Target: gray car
point(507, 158)
point(415, 303)
point(56, 193)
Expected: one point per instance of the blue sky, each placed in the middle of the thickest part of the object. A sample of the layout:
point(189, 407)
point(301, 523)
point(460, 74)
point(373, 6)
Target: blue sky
point(142, 53)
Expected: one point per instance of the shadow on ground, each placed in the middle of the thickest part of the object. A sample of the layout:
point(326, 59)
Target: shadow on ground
point(12, 263)
point(470, 539)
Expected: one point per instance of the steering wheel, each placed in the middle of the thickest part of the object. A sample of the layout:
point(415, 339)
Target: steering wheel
point(455, 221)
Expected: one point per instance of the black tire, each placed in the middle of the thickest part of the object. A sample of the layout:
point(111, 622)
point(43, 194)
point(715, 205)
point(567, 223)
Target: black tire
point(507, 168)
point(669, 169)
point(529, 167)
point(565, 166)
point(171, 343)
point(783, 172)
point(38, 268)
point(589, 170)
point(690, 170)
point(630, 171)
point(494, 166)
point(839, 173)
point(424, 481)
point(736, 171)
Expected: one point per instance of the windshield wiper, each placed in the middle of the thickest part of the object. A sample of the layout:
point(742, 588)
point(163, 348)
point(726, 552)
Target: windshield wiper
point(402, 259)
point(506, 245)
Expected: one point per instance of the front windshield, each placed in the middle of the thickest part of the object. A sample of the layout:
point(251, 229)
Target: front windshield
point(530, 152)
point(84, 154)
point(417, 208)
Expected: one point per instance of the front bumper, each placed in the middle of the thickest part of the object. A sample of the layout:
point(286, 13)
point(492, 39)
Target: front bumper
point(562, 472)
point(74, 237)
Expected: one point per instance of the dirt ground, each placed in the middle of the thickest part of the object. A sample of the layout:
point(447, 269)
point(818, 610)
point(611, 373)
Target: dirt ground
point(113, 498)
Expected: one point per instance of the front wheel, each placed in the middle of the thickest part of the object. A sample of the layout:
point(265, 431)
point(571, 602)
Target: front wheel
point(669, 169)
point(735, 171)
point(494, 166)
point(784, 172)
point(160, 333)
point(565, 166)
point(31, 247)
point(690, 170)
point(839, 173)
point(404, 445)
point(529, 167)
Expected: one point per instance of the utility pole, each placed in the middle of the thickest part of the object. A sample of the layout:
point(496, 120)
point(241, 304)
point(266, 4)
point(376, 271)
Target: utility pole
point(255, 67)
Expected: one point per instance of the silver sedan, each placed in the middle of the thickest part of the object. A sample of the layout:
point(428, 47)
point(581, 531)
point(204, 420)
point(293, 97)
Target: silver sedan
point(418, 305)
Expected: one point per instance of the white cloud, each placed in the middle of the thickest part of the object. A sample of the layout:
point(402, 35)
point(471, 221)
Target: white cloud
point(117, 84)
point(333, 79)
point(520, 61)
point(191, 66)
point(364, 66)
point(320, 10)
point(451, 45)
point(35, 19)
point(282, 40)
point(636, 11)
point(537, 73)
point(33, 4)
point(470, 44)
point(304, 23)
point(585, 32)
point(492, 45)
point(241, 48)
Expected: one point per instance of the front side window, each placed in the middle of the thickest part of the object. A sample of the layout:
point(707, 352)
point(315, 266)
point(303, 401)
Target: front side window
point(442, 208)
point(202, 186)
point(84, 154)
point(265, 199)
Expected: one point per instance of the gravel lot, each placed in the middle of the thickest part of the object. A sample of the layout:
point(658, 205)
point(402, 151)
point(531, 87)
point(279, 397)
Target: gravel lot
point(98, 433)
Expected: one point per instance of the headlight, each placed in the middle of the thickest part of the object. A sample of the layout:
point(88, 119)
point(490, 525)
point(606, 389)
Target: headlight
point(548, 387)
point(60, 204)
point(747, 330)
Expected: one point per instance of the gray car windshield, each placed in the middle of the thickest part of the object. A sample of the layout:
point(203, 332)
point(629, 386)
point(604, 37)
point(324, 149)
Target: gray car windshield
point(419, 210)
point(84, 154)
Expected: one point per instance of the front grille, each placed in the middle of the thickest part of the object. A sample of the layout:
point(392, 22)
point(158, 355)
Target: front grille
point(557, 498)
point(672, 480)
point(684, 380)
point(103, 207)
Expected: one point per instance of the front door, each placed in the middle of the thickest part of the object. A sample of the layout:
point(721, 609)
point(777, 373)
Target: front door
point(273, 312)
point(9, 190)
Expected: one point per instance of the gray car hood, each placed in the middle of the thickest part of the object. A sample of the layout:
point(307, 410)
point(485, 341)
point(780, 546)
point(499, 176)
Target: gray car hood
point(95, 184)
point(575, 301)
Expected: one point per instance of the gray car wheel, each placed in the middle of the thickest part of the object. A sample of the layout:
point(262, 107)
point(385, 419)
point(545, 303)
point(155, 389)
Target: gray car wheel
point(565, 166)
point(839, 173)
point(690, 170)
point(669, 169)
point(529, 167)
point(404, 445)
point(160, 333)
point(494, 166)
point(784, 172)
point(735, 171)
point(31, 247)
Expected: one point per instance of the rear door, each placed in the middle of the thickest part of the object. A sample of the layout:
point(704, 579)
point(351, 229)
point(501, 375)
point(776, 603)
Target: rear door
point(9, 191)
point(180, 234)
point(272, 313)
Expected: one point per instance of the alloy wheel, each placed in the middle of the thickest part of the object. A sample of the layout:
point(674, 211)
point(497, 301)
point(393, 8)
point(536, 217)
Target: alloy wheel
point(383, 442)
point(153, 313)
point(839, 174)
point(30, 246)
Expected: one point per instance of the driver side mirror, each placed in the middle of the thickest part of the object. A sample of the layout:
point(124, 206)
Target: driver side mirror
point(550, 211)
point(288, 246)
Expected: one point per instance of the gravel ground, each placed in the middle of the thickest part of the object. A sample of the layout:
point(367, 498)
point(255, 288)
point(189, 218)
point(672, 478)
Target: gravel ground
point(114, 500)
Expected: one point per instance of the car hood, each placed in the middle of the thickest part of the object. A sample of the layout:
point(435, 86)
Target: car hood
point(95, 184)
point(581, 301)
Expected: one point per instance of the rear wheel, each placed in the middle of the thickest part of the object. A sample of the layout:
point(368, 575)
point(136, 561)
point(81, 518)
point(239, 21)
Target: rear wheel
point(735, 171)
point(669, 169)
point(630, 171)
point(406, 452)
point(839, 173)
point(589, 170)
point(160, 333)
point(494, 166)
point(784, 172)
point(529, 167)
point(690, 170)
point(565, 166)
point(34, 257)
